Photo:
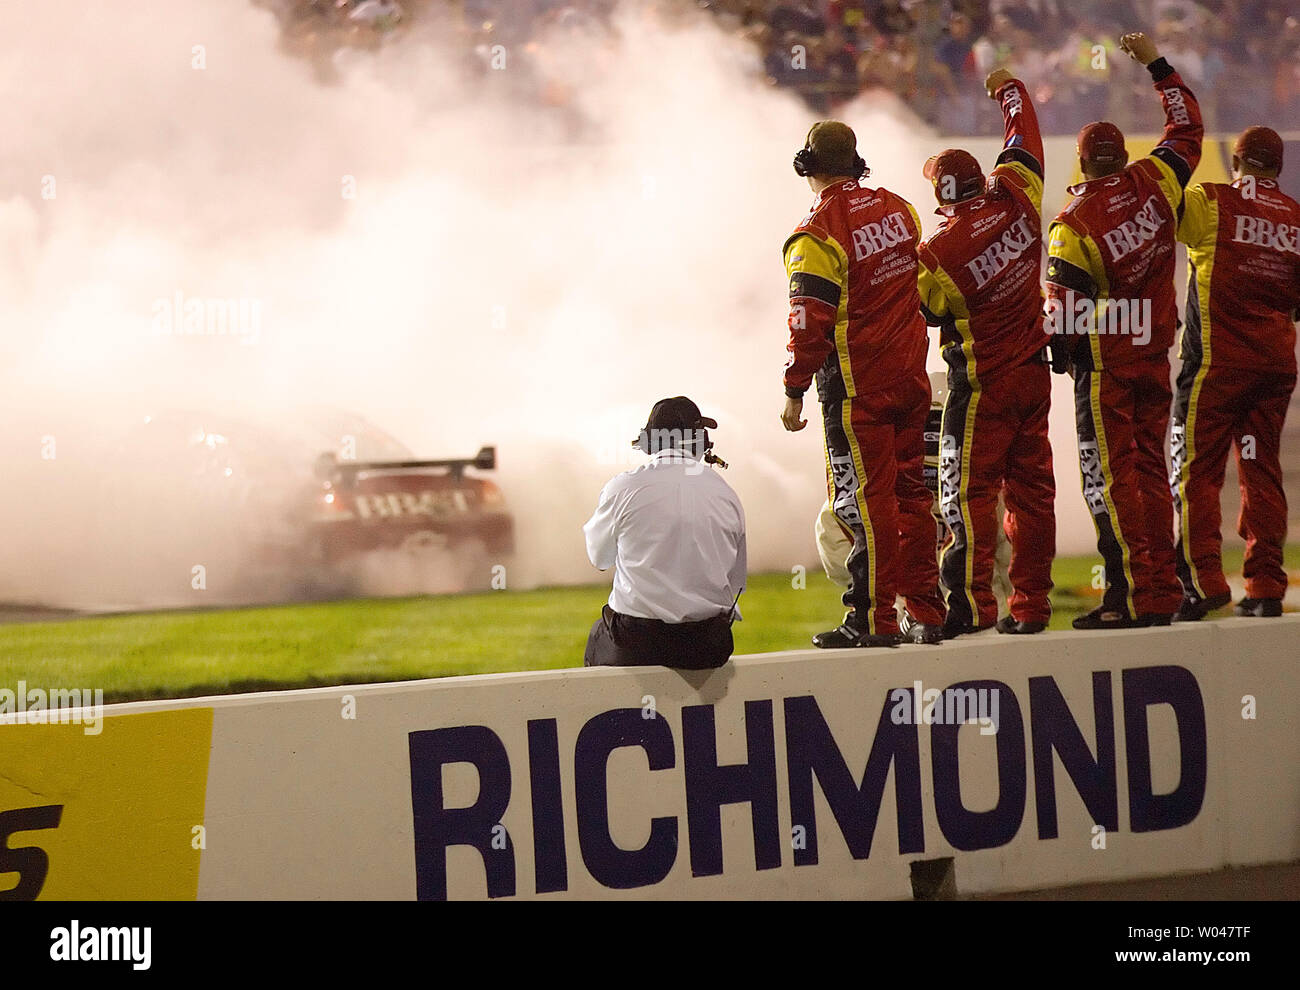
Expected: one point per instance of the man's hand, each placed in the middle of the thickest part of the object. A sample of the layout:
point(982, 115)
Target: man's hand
point(790, 416)
point(1062, 361)
point(1140, 48)
point(996, 80)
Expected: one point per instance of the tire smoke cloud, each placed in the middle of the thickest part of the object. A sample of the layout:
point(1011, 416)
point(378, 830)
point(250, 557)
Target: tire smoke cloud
point(431, 246)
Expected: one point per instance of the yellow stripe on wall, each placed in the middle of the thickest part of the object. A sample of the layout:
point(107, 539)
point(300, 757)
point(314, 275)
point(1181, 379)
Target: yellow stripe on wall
point(130, 797)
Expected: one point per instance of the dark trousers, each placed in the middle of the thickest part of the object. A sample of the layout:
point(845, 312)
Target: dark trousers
point(1218, 410)
point(1121, 417)
point(875, 455)
point(995, 442)
point(618, 640)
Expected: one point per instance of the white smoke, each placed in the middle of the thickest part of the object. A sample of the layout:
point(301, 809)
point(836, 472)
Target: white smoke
point(430, 246)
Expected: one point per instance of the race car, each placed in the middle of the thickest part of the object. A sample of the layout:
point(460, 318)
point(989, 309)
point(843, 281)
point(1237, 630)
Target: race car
point(416, 505)
point(314, 504)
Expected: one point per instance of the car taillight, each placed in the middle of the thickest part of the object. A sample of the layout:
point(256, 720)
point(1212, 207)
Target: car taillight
point(491, 494)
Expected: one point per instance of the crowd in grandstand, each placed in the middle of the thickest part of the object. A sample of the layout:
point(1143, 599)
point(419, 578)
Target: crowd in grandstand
point(1241, 57)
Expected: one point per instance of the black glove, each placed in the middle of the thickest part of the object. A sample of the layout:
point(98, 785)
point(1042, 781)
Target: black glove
point(1059, 346)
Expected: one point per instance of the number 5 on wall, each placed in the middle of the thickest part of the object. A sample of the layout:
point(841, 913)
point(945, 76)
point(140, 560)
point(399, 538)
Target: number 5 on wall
point(29, 862)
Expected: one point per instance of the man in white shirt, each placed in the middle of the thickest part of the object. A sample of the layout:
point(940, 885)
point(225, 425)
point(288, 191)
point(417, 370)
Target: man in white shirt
point(674, 532)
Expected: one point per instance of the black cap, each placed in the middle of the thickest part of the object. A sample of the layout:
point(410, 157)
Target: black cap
point(677, 414)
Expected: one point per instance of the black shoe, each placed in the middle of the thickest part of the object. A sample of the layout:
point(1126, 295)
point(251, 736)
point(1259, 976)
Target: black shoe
point(919, 632)
point(1009, 624)
point(1196, 609)
point(1104, 618)
point(952, 628)
point(1259, 608)
point(846, 637)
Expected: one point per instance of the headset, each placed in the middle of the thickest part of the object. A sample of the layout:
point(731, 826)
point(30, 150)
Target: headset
point(696, 441)
point(806, 163)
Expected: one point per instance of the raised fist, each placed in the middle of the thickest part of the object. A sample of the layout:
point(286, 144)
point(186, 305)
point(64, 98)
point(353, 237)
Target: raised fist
point(1139, 47)
point(996, 80)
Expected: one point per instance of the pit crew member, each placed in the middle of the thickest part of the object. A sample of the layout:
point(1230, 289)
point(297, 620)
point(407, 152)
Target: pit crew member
point(855, 325)
point(980, 284)
point(674, 533)
point(1111, 313)
point(1238, 373)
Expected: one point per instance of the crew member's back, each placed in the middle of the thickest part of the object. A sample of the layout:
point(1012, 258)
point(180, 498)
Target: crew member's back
point(674, 533)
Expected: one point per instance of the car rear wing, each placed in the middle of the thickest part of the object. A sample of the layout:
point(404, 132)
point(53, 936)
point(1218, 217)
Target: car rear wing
point(484, 460)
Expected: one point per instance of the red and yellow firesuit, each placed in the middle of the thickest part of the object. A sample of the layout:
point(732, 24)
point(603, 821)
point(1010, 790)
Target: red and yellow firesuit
point(855, 324)
point(1238, 373)
point(979, 282)
point(1111, 305)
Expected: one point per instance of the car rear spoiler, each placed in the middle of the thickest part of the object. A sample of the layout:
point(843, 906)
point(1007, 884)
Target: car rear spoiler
point(484, 460)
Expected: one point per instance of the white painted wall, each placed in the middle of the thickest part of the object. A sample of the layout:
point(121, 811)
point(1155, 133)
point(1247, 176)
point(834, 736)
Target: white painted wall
point(302, 803)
